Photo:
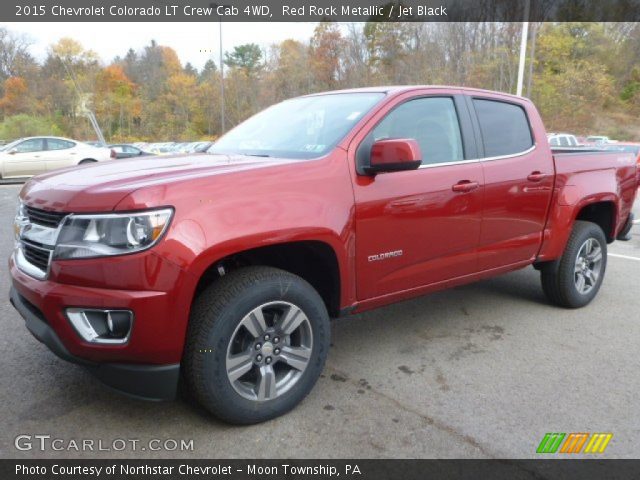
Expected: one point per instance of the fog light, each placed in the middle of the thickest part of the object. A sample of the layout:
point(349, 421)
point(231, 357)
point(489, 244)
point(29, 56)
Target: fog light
point(101, 326)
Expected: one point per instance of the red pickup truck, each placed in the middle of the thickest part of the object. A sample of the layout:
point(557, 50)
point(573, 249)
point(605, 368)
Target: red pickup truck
point(222, 270)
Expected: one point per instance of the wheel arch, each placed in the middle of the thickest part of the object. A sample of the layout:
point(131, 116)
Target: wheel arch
point(603, 213)
point(315, 261)
point(601, 209)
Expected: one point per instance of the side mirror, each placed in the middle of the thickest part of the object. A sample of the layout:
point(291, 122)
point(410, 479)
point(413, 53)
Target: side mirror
point(13, 151)
point(394, 155)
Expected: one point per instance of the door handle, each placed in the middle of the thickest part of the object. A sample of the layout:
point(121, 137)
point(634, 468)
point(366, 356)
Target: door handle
point(464, 186)
point(536, 176)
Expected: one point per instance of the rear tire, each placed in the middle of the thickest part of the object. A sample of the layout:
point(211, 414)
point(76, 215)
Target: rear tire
point(257, 342)
point(87, 160)
point(575, 279)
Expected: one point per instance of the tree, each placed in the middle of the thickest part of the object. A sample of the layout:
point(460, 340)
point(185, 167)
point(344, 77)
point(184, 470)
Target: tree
point(326, 49)
point(247, 57)
point(290, 75)
point(16, 96)
point(15, 59)
point(23, 125)
point(115, 101)
point(208, 70)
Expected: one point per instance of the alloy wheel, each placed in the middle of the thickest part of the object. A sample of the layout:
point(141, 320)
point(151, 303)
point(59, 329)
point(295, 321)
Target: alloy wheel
point(588, 266)
point(269, 351)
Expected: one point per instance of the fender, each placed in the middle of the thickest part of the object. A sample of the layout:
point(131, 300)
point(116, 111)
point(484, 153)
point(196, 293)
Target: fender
point(222, 215)
point(567, 203)
point(216, 253)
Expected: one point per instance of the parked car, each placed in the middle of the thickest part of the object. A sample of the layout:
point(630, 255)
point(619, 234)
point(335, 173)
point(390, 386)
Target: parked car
point(230, 265)
point(163, 148)
point(563, 140)
point(199, 147)
point(599, 140)
point(30, 156)
point(127, 151)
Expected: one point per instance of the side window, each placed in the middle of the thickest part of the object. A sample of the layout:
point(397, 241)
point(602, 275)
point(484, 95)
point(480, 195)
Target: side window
point(554, 142)
point(31, 145)
point(129, 149)
point(118, 148)
point(564, 142)
point(432, 122)
point(58, 144)
point(504, 126)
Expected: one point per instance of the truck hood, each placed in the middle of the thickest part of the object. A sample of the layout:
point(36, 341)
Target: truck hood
point(100, 186)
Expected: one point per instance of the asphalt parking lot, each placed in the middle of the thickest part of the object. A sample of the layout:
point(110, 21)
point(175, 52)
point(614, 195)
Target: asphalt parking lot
point(480, 371)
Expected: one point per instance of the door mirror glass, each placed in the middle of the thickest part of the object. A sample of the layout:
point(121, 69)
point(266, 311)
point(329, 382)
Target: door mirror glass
point(393, 155)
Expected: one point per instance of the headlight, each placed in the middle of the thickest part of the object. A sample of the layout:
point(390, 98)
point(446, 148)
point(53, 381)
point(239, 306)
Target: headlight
point(19, 220)
point(83, 236)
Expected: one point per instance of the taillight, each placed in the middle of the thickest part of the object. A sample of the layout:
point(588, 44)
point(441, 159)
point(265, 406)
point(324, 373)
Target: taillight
point(113, 153)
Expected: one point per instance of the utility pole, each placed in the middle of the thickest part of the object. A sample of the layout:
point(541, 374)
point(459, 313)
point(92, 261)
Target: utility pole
point(523, 47)
point(222, 105)
point(85, 110)
point(532, 58)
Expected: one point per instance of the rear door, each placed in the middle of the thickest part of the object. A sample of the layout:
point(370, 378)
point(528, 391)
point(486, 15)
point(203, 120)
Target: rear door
point(60, 153)
point(518, 177)
point(25, 159)
point(413, 228)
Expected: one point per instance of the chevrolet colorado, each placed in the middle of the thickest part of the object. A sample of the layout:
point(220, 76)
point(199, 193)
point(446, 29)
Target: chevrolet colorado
point(222, 270)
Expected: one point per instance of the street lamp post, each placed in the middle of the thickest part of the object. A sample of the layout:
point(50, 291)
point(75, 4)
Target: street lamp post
point(523, 47)
point(222, 103)
point(222, 123)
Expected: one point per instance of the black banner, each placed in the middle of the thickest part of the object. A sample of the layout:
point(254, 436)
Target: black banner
point(315, 469)
point(318, 10)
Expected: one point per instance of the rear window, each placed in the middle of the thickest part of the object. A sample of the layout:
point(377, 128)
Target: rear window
point(504, 126)
point(58, 144)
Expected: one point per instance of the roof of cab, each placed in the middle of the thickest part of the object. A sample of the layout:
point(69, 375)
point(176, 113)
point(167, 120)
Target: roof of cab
point(398, 89)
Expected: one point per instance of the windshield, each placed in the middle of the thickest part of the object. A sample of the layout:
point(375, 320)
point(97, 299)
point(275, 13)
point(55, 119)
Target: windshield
point(305, 127)
point(9, 146)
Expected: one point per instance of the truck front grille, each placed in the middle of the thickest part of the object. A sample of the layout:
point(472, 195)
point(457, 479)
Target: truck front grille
point(44, 217)
point(37, 256)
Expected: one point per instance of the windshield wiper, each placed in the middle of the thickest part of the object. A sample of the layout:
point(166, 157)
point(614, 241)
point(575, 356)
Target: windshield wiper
point(258, 155)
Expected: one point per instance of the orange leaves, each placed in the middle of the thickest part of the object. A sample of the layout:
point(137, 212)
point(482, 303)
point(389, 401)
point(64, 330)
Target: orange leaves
point(15, 96)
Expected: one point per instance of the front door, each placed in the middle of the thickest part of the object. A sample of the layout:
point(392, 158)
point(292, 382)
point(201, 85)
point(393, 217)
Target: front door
point(25, 159)
point(416, 228)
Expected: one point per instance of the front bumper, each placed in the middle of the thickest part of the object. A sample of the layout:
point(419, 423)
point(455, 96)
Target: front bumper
point(150, 382)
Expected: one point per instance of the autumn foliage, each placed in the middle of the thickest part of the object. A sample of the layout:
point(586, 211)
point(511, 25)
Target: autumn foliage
point(584, 77)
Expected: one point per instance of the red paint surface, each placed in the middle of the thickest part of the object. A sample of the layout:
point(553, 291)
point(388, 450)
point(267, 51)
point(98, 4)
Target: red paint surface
point(454, 224)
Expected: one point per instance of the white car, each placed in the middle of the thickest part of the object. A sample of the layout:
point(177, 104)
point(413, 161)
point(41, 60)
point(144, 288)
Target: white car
point(600, 139)
point(563, 140)
point(30, 156)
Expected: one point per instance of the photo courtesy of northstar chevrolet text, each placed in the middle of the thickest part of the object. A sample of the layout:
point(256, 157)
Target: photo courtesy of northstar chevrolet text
point(374, 239)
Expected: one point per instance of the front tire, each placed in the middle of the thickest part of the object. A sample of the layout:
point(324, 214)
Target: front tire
point(257, 342)
point(575, 279)
point(86, 161)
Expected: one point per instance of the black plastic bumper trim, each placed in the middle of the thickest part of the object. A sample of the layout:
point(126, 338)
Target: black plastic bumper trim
point(148, 382)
